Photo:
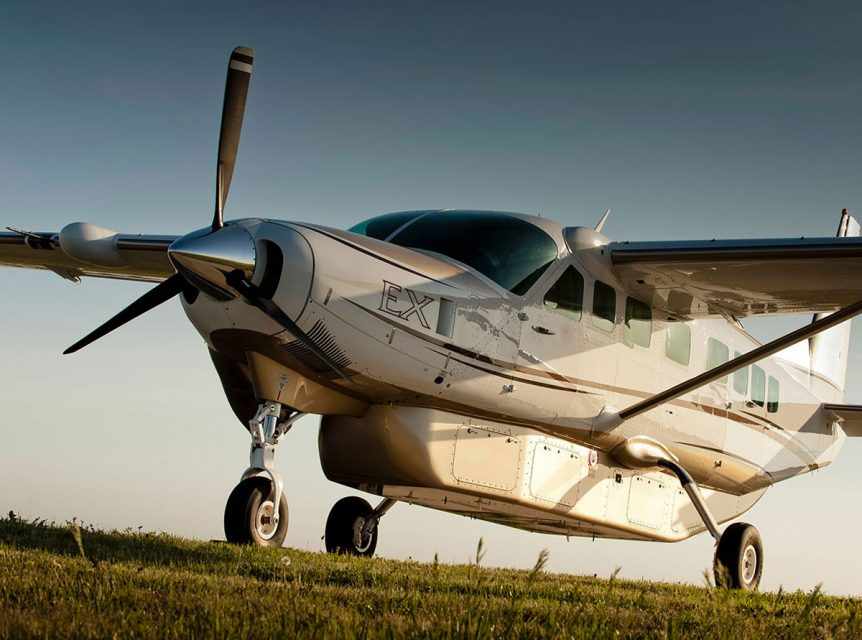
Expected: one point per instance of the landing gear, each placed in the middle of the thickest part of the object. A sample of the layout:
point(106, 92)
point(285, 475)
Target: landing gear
point(738, 561)
point(351, 527)
point(251, 515)
point(739, 558)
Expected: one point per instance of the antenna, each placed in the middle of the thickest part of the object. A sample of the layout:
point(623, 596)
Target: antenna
point(601, 223)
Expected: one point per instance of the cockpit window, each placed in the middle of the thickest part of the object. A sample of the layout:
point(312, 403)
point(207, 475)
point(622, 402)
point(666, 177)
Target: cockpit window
point(510, 251)
point(383, 226)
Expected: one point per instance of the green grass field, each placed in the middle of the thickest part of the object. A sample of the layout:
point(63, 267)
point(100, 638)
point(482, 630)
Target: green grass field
point(61, 581)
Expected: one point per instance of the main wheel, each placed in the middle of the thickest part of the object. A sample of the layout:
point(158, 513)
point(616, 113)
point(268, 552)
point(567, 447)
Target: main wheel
point(345, 528)
point(739, 558)
point(248, 515)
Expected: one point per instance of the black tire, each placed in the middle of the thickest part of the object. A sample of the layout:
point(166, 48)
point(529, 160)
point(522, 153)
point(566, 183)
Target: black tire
point(342, 535)
point(245, 515)
point(739, 558)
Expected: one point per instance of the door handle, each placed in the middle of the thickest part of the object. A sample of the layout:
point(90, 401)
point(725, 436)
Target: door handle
point(543, 330)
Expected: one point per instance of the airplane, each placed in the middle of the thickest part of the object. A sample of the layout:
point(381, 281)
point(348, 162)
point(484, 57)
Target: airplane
point(499, 365)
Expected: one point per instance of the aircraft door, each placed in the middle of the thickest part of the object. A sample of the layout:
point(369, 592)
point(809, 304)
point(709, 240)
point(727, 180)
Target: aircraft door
point(551, 347)
point(549, 328)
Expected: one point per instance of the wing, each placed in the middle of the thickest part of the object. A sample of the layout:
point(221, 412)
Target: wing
point(850, 417)
point(86, 250)
point(742, 277)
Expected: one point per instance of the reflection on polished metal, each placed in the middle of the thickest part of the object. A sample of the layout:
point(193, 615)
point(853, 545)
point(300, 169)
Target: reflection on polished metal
point(205, 258)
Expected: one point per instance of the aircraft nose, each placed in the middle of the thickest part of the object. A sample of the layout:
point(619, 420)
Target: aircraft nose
point(206, 257)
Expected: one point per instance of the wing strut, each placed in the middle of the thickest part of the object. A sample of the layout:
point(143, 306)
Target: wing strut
point(611, 420)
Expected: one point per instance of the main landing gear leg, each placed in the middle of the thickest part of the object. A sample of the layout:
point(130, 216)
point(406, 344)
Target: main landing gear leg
point(352, 526)
point(251, 515)
point(738, 561)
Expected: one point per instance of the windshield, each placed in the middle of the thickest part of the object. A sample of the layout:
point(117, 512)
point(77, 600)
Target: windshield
point(510, 251)
point(381, 227)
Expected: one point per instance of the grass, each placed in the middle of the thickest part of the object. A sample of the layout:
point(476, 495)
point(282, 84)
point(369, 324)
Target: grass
point(69, 582)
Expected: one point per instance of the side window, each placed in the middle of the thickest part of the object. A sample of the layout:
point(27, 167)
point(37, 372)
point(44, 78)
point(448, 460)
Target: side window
point(638, 327)
point(677, 345)
point(567, 294)
point(772, 396)
point(740, 378)
point(604, 306)
point(758, 386)
point(716, 353)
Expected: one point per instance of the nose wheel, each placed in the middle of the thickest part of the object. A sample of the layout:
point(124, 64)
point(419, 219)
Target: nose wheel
point(250, 516)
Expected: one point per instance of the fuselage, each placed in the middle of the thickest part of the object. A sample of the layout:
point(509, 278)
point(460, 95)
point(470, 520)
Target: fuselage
point(418, 328)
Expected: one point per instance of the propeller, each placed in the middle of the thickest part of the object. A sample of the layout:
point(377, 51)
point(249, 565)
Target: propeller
point(162, 292)
point(209, 258)
point(235, 92)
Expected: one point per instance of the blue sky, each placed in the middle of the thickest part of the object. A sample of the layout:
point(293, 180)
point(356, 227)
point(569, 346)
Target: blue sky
point(690, 122)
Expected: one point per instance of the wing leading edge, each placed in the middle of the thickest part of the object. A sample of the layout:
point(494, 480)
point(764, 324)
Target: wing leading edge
point(744, 277)
point(86, 250)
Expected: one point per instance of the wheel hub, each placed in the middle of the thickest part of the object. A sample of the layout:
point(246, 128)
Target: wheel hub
point(266, 521)
point(361, 540)
point(749, 564)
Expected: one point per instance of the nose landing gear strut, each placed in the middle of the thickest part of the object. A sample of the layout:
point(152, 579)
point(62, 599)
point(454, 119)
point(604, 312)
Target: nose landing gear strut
point(251, 515)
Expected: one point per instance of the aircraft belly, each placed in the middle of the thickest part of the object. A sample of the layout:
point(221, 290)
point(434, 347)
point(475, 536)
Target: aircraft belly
point(509, 474)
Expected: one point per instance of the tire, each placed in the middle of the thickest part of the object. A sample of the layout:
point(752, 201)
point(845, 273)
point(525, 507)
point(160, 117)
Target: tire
point(342, 534)
point(739, 558)
point(245, 515)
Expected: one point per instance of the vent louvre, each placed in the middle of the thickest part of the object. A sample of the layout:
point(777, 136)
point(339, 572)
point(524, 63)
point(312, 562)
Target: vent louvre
point(324, 340)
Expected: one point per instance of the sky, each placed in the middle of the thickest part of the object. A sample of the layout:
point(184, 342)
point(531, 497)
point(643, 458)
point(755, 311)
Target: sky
point(689, 121)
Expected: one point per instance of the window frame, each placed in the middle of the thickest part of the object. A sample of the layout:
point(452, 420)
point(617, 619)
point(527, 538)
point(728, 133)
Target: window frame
point(755, 371)
point(773, 405)
point(599, 321)
point(566, 312)
point(710, 364)
point(628, 332)
point(667, 342)
point(737, 375)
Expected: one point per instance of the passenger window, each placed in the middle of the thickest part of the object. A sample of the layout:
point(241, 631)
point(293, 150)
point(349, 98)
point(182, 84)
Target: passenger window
point(717, 353)
point(740, 378)
point(758, 386)
point(567, 294)
point(638, 327)
point(677, 345)
point(604, 306)
point(772, 397)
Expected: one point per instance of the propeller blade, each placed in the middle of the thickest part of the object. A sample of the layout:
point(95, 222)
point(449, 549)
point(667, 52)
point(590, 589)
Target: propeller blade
point(235, 92)
point(162, 292)
point(250, 293)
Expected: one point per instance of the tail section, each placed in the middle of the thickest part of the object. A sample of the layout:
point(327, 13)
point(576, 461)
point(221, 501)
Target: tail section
point(828, 351)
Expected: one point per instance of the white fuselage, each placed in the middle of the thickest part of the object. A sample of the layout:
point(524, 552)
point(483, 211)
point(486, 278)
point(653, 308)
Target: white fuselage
point(485, 393)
